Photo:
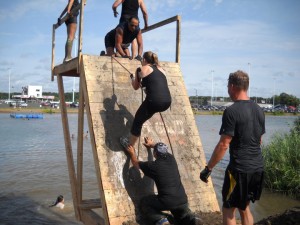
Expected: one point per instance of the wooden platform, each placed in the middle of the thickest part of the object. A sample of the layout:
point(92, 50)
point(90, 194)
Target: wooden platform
point(110, 104)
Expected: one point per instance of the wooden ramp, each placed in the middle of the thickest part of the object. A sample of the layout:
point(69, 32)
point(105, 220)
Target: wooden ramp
point(110, 104)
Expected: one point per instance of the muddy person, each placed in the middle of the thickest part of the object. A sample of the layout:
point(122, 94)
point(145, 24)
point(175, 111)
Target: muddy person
point(151, 77)
point(243, 125)
point(130, 8)
point(171, 194)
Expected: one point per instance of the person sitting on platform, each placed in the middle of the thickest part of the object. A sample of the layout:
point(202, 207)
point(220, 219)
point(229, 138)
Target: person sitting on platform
point(171, 194)
point(121, 38)
point(158, 98)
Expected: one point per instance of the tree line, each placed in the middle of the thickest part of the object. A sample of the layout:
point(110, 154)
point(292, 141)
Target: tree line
point(282, 99)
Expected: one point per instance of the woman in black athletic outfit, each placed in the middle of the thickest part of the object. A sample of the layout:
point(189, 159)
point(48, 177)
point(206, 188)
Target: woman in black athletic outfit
point(151, 77)
point(71, 24)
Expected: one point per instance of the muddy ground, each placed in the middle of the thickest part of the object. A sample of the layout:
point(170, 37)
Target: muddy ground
point(289, 217)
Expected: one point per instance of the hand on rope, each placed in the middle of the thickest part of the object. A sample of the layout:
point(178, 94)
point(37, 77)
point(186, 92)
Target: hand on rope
point(131, 77)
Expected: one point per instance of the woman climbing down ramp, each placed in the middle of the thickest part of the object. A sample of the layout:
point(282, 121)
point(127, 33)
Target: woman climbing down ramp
point(151, 77)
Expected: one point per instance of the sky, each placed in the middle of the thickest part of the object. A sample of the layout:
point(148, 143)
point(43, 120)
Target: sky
point(260, 37)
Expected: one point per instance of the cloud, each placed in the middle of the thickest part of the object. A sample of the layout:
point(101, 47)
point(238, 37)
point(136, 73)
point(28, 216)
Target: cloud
point(20, 8)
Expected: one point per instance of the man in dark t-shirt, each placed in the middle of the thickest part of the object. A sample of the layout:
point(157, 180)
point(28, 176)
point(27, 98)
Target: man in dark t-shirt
point(130, 8)
point(243, 125)
point(171, 194)
point(121, 37)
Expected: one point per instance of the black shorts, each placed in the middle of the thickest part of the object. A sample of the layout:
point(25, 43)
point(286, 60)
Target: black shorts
point(72, 19)
point(109, 41)
point(240, 188)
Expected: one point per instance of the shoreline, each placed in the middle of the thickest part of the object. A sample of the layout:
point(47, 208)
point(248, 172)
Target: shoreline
point(36, 110)
point(48, 110)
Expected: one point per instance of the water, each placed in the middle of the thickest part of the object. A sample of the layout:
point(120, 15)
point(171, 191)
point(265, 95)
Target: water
point(33, 168)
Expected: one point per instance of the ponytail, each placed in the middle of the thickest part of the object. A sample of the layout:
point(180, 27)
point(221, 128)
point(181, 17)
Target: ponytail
point(151, 58)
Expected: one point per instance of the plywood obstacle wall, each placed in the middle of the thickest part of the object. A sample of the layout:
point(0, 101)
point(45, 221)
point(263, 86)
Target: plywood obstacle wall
point(111, 103)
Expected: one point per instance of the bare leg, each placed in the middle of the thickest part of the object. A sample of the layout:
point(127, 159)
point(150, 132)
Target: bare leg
point(134, 48)
point(127, 51)
point(229, 216)
point(71, 30)
point(246, 216)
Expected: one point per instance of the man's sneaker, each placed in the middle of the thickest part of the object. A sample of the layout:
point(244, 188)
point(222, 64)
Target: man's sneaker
point(163, 221)
point(124, 142)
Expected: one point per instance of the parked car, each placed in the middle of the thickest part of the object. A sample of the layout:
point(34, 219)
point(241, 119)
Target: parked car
point(24, 104)
point(45, 104)
point(74, 104)
point(55, 105)
point(12, 104)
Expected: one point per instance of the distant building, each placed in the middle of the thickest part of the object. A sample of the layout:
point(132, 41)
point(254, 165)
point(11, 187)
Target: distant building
point(33, 92)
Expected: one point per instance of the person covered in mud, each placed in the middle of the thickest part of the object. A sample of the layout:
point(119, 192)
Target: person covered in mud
point(171, 193)
point(122, 36)
point(243, 125)
point(151, 77)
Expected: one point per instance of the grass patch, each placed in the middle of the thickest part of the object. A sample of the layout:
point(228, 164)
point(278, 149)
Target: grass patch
point(49, 111)
point(282, 162)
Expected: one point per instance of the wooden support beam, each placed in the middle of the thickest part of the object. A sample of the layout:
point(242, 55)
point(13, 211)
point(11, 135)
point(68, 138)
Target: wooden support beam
point(91, 218)
point(178, 33)
point(91, 204)
point(68, 68)
point(53, 53)
point(80, 143)
point(68, 145)
point(93, 141)
point(80, 33)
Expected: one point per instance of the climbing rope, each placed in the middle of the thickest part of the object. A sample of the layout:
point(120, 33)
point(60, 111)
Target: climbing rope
point(138, 153)
point(166, 132)
point(165, 127)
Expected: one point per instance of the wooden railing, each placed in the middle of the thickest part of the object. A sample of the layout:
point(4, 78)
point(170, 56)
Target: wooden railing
point(80, 7)
point(176, 19)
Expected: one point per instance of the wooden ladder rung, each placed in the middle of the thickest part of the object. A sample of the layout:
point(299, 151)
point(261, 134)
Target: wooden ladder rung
point(90, 204)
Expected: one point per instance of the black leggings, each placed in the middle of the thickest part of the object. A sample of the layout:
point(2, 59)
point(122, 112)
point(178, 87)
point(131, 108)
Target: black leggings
point(152, 209)
point(145, 112)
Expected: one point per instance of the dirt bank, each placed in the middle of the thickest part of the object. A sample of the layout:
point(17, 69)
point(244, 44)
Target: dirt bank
point(289, 217)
